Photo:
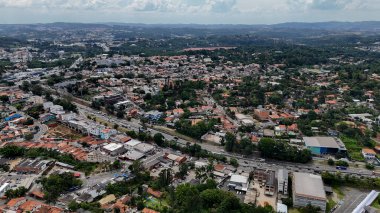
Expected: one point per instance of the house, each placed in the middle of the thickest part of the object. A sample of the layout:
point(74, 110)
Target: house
point(262, 114)
point(368, 153)
point(106, 133)
point(153, 115)
point(146, 210)
point(154, 193)
point(308, 189)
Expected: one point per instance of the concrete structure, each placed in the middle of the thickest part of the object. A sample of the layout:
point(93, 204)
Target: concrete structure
point(238, 182)
point(132, 155)
point(366, 202)
point(31, 166)
point(282, 181)
point(282, 208)
point(114, 149)
point(308, 189)
point(4, 188)
point(144, 148)
point(99, 157)
point(324, 145)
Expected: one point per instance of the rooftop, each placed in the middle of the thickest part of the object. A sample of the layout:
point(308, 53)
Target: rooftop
point(309, 185)
point(328, 142)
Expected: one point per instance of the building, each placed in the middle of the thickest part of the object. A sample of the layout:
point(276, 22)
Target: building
point(132, 155)
point(4, 188)
point(308, 189)
point(130, 145)
point(282, 181)
point(144, 148)
point(238, 182)
point(368, 153)
point(270, 186)
point(324, 145)
point(153, 115)
point(114, 149)
point(99, 157)
point(366, 202)
point(31, 166)
point(282, 208)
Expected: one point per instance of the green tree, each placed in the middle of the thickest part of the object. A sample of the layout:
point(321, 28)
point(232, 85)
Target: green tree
point(159, 139)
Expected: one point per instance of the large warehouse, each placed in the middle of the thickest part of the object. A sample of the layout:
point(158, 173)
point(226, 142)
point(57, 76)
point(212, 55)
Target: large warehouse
point(308, 189)
point(324, 145)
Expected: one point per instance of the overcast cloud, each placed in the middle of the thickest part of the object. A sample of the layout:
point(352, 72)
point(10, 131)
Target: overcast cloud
point(188, 11)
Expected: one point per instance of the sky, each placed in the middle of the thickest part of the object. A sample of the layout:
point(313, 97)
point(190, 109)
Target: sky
point(187, 11)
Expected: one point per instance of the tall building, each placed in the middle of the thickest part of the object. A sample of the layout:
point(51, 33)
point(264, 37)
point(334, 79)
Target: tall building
point(282, 181)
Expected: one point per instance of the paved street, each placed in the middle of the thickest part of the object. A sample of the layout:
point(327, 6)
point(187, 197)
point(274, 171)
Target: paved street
point(249, 163)
point(352, 199)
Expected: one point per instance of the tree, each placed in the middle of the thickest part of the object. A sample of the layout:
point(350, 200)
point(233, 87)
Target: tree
point(234, 162)
point(56, 184)
point(187, 198)
point(230, 140)
point(183, 169)
point(165, 178)
point(14, 193)
point(136, 168)
point(4, 98)
point(331, 162)
point(28, 136)
point(116, 126)
point(159, 139)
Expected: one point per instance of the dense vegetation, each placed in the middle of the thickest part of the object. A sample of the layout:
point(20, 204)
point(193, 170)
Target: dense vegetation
point(279, 150)
point(56, 184)
point(15, 151)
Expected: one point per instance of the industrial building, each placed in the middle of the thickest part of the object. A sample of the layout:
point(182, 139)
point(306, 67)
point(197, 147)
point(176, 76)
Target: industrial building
point(324, 145)
point(308, 189)
point(238, 182)
point(31, 166)
point(114, 149)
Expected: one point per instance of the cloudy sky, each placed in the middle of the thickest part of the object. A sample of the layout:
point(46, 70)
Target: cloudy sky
point(188, 11)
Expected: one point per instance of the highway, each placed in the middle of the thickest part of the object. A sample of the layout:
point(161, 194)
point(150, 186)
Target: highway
point(245, 163)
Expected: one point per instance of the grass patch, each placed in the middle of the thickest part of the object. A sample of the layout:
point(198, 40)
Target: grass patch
point(354, 148)
point(330, 204)
point(293, 210)
point(156, 204)
point(338, 191)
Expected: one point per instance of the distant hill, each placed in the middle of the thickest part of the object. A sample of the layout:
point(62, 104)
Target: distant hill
point(330, 26)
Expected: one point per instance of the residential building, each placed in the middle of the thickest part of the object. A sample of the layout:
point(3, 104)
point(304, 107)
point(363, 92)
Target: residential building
point(368, 153)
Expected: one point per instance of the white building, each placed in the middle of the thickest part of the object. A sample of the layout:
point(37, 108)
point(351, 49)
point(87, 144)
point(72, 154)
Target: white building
point(4, 188)
point(238, 182)
point(130, 145)
point(114, 149)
